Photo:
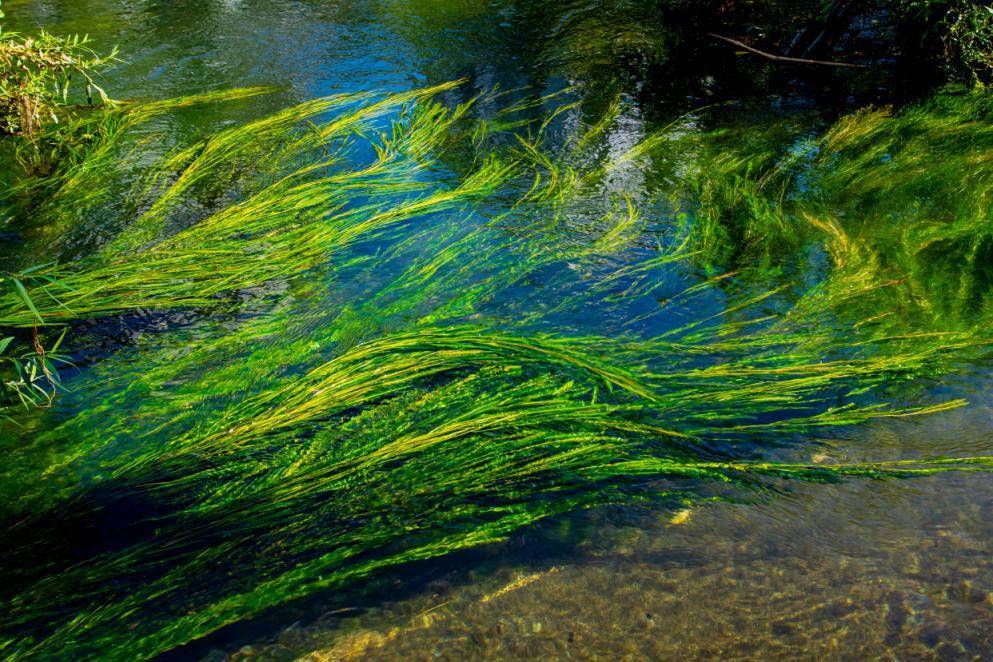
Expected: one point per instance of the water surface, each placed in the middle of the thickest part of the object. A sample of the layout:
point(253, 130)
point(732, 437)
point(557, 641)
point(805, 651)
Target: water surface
point(864, 568)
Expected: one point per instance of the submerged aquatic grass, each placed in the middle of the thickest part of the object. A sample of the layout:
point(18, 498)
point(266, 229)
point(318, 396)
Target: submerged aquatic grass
point(283, 229)
point(897, 200)
point(419, 394)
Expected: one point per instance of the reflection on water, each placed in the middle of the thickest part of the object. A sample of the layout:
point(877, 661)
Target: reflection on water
point(851, 570)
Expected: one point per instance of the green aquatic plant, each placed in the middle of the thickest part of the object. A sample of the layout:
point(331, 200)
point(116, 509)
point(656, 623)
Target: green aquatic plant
point(88, 147)
point(312, 493)
point(896, 200)
point(285, 228)
point(429, 387)
point(94, 156)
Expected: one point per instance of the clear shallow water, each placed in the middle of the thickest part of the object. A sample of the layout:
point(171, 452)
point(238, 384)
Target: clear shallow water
point(864, 568)
point(852, 571)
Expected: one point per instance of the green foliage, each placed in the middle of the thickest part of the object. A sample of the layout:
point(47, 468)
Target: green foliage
point(387, 361)
point(284, 228)
point(970, 34)
point(896, 200)
point(309, 446)
point(84, 156)
point(31, 377)
point(958, 32)
point(35, 78)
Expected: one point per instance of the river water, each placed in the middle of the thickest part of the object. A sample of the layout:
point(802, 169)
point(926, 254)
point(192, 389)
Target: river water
point(859, 569)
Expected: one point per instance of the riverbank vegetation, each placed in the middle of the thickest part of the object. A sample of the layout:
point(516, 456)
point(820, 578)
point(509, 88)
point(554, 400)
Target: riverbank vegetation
point(41, 77)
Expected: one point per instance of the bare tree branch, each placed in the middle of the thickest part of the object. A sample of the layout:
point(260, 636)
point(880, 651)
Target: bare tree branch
point(780, 58)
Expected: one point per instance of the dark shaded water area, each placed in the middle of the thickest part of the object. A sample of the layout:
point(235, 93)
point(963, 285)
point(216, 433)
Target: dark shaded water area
point(843, 570)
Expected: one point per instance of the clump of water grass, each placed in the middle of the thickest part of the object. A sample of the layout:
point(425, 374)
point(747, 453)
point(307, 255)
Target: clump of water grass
point(442, 397)
point(424, 468)
point(286, 227)
point(895, 199)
